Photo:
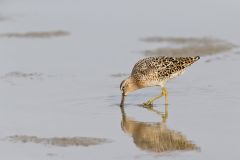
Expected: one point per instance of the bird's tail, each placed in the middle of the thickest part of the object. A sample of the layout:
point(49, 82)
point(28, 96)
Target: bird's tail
point(196, 58)
point(187, 61)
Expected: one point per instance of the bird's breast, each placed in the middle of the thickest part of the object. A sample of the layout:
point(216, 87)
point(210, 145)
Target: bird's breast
point(151, 83)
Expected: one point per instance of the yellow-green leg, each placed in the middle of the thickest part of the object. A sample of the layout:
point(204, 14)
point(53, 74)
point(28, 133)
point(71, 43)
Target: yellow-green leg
point(164, 93)
point(165, 115)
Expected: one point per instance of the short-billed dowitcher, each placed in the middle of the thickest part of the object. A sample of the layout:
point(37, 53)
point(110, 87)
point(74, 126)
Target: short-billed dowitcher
point(155, 71)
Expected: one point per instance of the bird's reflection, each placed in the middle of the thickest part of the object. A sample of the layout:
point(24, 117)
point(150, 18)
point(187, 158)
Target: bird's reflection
point(155, 136)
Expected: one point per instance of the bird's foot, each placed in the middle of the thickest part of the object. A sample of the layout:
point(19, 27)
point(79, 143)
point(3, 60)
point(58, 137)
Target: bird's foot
point(148, 104)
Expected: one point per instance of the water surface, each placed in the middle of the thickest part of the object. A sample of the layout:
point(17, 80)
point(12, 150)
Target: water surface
point(68, 86)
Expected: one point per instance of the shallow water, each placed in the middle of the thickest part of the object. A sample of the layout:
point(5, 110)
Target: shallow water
point(68, 86)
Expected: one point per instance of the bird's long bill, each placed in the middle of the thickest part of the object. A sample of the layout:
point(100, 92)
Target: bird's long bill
point(122, 100)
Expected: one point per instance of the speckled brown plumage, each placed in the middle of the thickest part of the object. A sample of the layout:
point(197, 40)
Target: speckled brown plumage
point(153, 71)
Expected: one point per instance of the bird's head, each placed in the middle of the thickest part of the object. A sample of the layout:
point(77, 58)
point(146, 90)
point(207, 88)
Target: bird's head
point(128, 85)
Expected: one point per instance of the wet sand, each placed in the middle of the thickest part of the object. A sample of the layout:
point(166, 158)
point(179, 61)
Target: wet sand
point(42, 34)
point(17, 74)
point(190, 46)
point(83, 102)
point(59, 141)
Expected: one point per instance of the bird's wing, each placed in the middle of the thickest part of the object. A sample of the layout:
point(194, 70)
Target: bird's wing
point(173, 66)
point(162, 67)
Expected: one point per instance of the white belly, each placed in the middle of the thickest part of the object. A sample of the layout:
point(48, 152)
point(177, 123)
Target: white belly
point(157, 83)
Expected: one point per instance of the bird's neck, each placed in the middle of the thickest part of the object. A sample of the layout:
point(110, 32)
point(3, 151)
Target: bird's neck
point(133, 84)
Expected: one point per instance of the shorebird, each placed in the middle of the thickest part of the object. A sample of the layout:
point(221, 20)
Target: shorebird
point(155, 71)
